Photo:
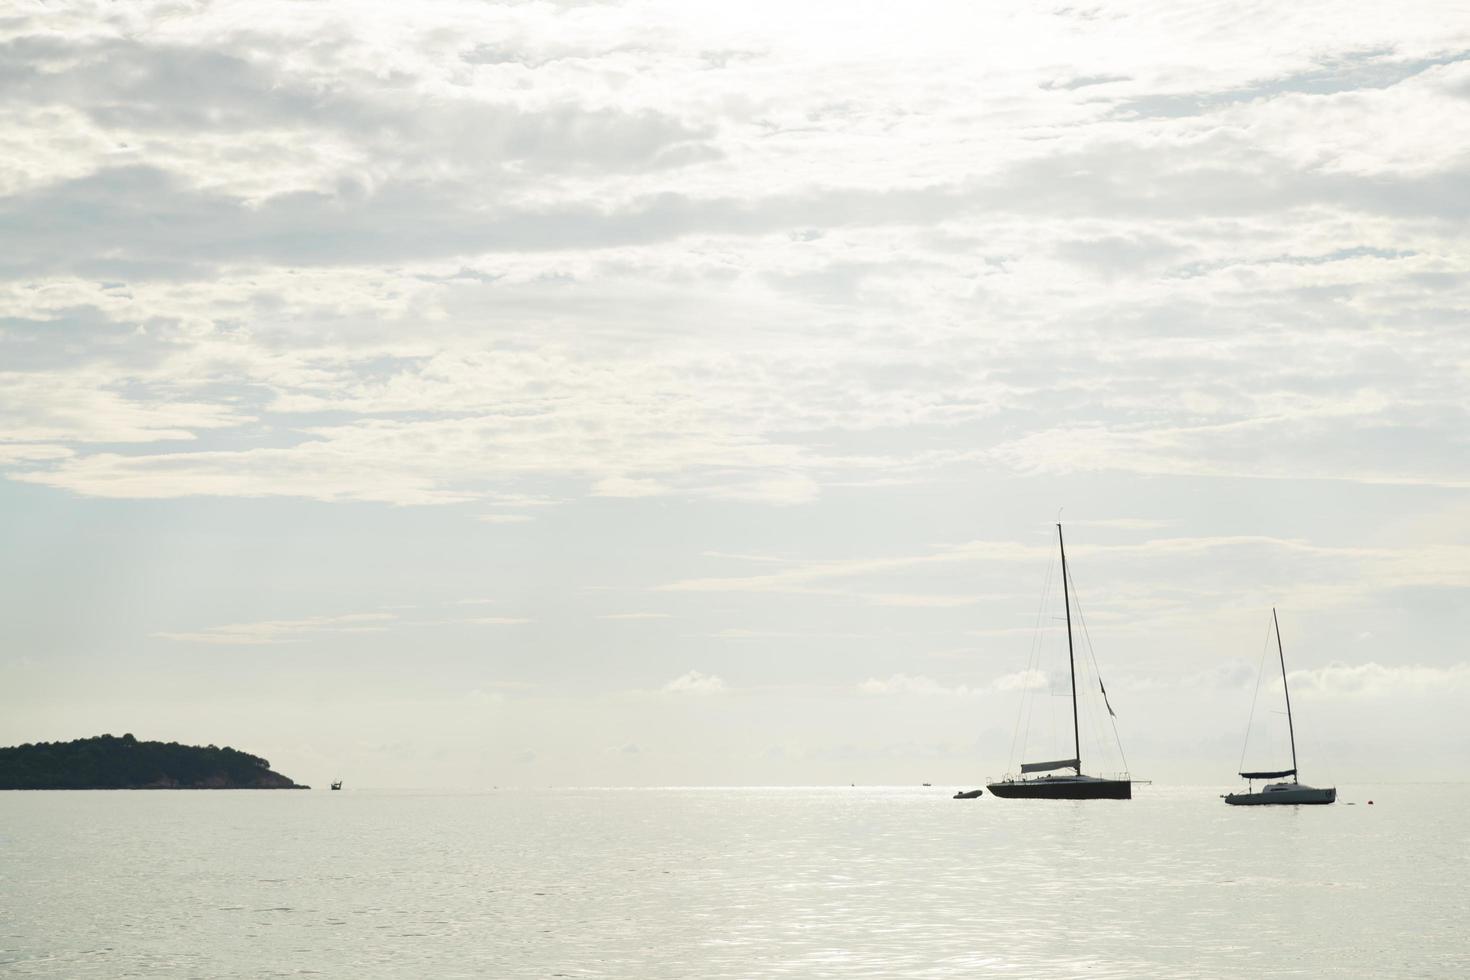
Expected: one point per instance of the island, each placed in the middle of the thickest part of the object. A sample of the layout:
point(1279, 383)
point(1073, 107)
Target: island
point(108, 762)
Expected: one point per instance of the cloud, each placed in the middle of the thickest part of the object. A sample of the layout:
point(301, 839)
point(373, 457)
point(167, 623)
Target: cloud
point(1262, 447)
point(1125, 523)
point(488, 621)
point(11, 453)
point(921, 601)
point(1021, 680)
point(87, 406)
point(910, 684)
point(1374, 680)
point(622, 486)
point(317, 471)
point(741, 633)
point(784, 489)
point(208, 91)
point(650, 288)
point(919, 684)
point(277, 631)
point(78, 226)
point(806, 576)
point(636, 615)
point(755, 280)
point(695, 683)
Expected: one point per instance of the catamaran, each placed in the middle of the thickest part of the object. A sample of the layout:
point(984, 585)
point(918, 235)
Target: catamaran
point(1294, 792)
point(1076, 785)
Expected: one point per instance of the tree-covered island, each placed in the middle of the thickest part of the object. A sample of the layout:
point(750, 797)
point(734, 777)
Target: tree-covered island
point(108, 762)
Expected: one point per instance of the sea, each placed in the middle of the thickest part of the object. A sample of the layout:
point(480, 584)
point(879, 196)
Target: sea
point(848, 881)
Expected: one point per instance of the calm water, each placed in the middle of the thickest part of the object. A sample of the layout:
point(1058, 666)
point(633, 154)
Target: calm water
point(731, 883)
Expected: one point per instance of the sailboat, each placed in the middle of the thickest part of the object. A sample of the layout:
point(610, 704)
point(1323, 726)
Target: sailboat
point(1076, 785)
point(1294, 792)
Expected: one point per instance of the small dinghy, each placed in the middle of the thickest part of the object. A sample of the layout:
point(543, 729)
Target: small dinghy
point(969, 794)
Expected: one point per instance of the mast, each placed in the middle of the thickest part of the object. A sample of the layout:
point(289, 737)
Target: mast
point(1290, 729)
point(1072, 661)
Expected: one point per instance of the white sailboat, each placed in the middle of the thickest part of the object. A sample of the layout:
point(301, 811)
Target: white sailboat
point(1294, 792)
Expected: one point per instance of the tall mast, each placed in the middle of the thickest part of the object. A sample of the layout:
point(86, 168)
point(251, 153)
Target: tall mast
point(1072, 661)
point(1290, 729)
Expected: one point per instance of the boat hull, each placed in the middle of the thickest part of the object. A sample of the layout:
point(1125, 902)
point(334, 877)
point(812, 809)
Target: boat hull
point(1062, 789)
point(1292, 796)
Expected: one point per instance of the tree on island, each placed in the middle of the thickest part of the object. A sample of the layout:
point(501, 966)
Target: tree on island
point(110, 762)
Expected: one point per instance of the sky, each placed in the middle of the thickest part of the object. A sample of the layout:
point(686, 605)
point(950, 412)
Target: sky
point(455, 394)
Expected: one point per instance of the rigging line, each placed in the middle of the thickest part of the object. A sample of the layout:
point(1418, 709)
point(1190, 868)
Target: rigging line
point(1098, 717)
point(1105, 722)
point(1092, 654)
point(1091, 673)
point(1028, 696)
point(1097, 673)
point(1087, 707)
point(1087, 704)
point(1255, 696)
point(1038, 645)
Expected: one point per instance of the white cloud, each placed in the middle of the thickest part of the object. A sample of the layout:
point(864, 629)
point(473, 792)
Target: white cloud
point(747, 303)
point(695, 683)
point(806, 576)
point(489, 621)
point(1374, 680)
point(713, 298)
point(1021, 680)
point(270, 632)
point(742, 633)
point(84, 407)
point(24, 453)
point(910, 684)
point(1125, 523)
point(921, 601)
point(622, 486)
point(782, 489)
point(919, 684)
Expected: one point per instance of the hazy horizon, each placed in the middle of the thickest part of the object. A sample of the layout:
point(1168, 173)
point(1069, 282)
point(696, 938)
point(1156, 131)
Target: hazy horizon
point(682, 394)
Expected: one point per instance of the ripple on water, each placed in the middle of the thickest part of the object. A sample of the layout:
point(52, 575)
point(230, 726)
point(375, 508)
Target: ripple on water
point(729, 883)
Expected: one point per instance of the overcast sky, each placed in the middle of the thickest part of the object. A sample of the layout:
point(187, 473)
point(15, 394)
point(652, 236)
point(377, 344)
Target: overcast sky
point(451, 393)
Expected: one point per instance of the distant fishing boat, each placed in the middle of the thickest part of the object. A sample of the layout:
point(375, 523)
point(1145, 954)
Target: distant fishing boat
point(1075, 786)
point(1294, 792)
point(337, 784)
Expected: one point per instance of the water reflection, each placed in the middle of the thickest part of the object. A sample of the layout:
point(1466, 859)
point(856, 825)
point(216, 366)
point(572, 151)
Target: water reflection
point(727, 883)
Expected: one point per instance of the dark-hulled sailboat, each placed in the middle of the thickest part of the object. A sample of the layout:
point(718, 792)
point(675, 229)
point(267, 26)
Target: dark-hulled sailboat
point(1077, 785)
point(1294, 793)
